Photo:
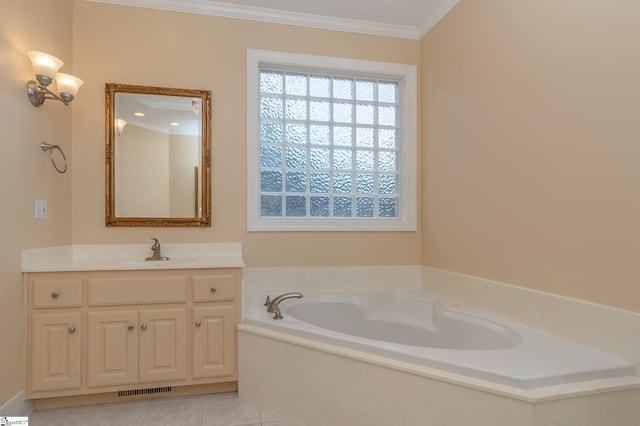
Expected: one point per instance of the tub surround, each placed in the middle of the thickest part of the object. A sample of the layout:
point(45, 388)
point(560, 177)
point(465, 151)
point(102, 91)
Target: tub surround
point(117, 257)
point(607, 329)
point(418, 328)
point(353, 382)
point(582, 322)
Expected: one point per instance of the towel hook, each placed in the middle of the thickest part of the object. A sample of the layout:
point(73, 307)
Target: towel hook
point(48, 147)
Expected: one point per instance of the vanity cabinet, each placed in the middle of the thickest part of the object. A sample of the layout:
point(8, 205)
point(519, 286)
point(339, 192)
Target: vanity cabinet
point(106, 331)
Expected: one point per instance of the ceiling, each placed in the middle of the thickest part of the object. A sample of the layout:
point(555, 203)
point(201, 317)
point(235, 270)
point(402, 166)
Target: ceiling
point(393, 18)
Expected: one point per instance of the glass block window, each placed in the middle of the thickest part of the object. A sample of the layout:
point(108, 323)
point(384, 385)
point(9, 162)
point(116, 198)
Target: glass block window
point(328, 146)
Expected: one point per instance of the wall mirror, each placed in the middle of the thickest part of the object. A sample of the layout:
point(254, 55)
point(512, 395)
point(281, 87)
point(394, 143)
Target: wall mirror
point(158, 156)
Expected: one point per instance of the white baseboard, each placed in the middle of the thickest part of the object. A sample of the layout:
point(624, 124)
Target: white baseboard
point(17, 406)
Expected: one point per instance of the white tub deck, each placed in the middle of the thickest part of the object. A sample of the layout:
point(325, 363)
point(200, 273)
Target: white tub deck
point(504, 352)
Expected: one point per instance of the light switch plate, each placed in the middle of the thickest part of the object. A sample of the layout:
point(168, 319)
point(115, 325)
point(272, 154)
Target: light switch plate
point(41, 209)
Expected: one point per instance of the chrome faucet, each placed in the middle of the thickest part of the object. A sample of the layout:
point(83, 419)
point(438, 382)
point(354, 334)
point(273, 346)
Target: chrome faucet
point(156, 251)
point(273, 305)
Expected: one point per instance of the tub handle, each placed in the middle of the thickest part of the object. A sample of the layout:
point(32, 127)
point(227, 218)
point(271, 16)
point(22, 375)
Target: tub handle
point(268, 301)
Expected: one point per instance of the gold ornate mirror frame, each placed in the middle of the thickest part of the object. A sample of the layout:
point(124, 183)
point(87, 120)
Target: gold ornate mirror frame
point(202, 179)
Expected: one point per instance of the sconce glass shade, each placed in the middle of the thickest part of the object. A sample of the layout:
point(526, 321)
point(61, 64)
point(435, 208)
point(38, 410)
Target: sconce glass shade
point(68, 84)
point(45, 66)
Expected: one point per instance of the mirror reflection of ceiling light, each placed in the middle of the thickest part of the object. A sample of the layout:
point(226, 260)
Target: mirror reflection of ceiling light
point(139, 114)
point(174, 124)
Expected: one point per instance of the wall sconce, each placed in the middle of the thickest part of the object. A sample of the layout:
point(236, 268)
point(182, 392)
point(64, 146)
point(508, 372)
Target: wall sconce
point(46, 67)
point(120, 123)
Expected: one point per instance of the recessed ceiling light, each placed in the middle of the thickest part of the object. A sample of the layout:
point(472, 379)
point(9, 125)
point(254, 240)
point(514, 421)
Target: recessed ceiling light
point(174, 124)
point(139, 114)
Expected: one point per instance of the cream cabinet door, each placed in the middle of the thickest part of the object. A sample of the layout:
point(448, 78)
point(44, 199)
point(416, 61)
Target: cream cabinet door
point(213, 341)
point(163, 344)
point(112, 348)
point(55, 351)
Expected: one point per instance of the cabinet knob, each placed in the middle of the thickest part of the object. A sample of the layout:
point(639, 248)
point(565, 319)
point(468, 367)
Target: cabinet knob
point(198, 323)
point(72, 330)
point(130, 327)
point(143, 326)
point(213, 290)
point(55, 294)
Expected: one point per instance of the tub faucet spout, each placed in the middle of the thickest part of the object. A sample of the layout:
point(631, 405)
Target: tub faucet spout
point(274, 307)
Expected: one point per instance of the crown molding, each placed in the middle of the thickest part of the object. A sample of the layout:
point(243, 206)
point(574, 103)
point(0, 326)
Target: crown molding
point(214, 8)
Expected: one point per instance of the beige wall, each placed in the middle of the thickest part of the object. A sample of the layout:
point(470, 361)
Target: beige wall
point(531, 156)
point(141, 169)
point(142, 46)
point(25, 171)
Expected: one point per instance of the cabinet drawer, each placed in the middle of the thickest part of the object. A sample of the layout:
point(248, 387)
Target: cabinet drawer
point(209, 288)
point(137, 290)
point(56, 293)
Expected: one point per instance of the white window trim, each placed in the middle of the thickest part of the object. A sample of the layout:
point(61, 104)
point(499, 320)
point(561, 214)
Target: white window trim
point(408, 159)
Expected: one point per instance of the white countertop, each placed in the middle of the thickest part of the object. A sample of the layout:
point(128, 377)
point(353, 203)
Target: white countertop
point(116, 257)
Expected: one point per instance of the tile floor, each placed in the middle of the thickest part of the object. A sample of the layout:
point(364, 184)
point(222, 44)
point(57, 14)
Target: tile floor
point(224, 409)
